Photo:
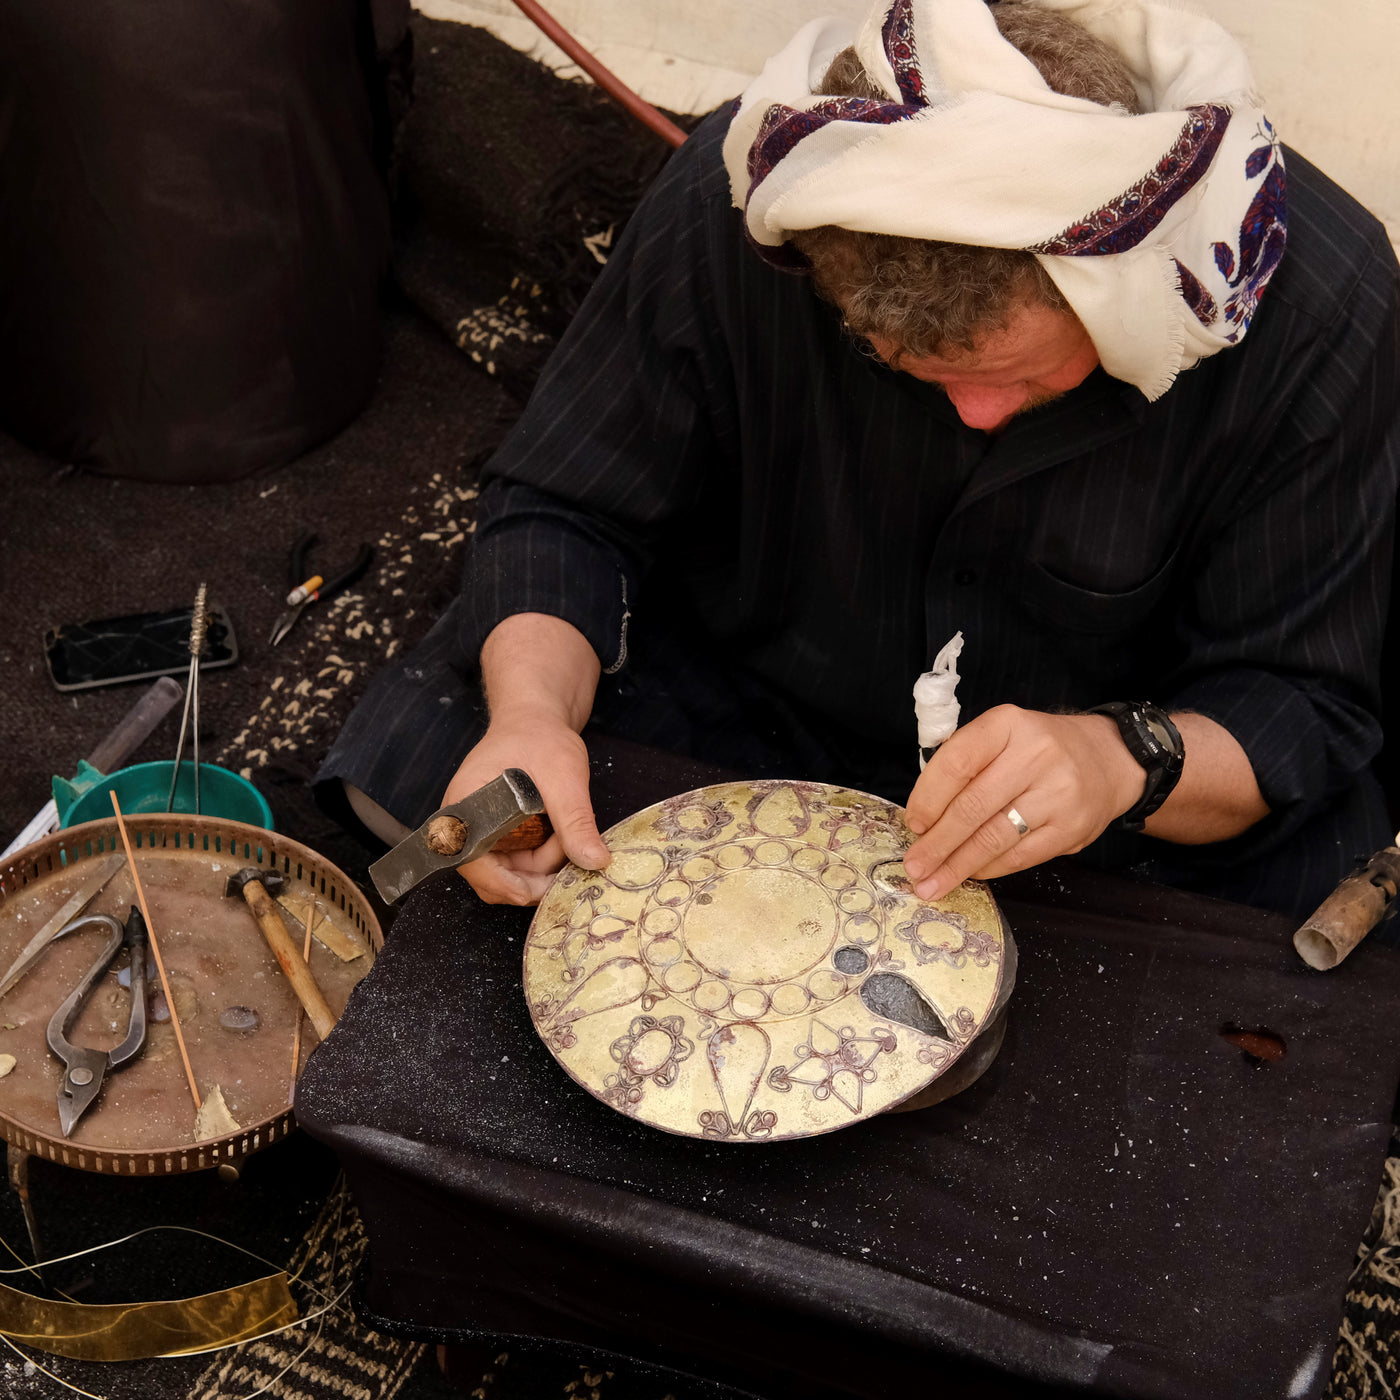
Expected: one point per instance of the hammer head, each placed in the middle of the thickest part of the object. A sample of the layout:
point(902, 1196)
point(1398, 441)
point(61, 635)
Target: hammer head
point(271, 880)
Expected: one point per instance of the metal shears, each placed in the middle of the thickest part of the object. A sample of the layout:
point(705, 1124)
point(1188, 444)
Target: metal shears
point(307, 589)
point(84, 1069)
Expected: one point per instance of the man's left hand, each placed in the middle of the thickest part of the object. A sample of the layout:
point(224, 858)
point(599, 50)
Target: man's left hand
point(1068, 777)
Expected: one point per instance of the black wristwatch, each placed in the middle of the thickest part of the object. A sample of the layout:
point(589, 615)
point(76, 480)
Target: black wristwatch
point(1156, 743)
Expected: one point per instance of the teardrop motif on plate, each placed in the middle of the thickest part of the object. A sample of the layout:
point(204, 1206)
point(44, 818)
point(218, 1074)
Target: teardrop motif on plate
point(610, 984)
point(783, 812)
point(896, 998)
point(738, 1055)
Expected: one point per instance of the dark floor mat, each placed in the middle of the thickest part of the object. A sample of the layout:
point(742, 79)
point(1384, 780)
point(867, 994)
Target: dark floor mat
point(512, 187)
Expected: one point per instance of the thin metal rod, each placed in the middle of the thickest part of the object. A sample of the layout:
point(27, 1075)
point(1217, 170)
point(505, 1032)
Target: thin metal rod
point(155, 948)
point(201, 621)
point(179, 748)
point(198, 622)
point(194, 738)
point(301, 1011)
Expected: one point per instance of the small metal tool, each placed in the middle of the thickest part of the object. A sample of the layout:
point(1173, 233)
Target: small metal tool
point(60, 923)
point(198, 625)
point(507, 814)
point(85, 1069)
point(254, 884)
point(306, 589)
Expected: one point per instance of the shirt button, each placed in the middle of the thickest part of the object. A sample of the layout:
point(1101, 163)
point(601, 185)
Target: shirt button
point(965, 576)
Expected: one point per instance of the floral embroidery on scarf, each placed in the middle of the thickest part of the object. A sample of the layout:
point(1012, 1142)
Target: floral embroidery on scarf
point(1263, 235)
point(1127, 220)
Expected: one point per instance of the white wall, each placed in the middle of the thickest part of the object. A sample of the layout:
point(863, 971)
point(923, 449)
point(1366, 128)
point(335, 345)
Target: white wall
point(1330, 72)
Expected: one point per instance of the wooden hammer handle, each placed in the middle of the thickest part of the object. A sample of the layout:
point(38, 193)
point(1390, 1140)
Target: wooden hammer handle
point(530, 834)
point(288, 959)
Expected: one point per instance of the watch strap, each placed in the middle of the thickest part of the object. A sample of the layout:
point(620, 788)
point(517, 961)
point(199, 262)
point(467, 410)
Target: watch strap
point(1151, 737)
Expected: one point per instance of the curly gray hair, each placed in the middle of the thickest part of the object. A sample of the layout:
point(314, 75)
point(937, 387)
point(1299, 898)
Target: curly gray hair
point(927, 296)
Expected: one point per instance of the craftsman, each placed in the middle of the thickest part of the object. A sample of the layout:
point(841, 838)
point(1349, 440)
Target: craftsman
point(1045, 374)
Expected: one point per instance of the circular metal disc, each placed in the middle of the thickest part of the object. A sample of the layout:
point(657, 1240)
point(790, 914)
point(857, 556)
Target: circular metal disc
point(754, 965)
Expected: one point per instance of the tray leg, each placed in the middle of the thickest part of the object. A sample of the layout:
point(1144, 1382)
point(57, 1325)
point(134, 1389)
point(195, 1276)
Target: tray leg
point(18, 1171)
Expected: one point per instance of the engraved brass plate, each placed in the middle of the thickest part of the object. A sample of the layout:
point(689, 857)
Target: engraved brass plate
point(754, 966)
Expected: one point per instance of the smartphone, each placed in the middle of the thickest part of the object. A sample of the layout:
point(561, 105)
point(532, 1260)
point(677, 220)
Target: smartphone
point(140, 646)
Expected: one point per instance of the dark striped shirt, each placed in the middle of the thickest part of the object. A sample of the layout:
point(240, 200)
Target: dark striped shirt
point(708, 451)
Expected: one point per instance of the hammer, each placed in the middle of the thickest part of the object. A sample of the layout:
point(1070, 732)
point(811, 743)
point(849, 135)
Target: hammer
point(253, 884)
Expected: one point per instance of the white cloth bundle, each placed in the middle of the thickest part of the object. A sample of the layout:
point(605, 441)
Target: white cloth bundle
point(936, 707)
point(1160, 229)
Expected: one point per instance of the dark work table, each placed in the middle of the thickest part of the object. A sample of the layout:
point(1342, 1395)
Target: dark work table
point(1126, 1203)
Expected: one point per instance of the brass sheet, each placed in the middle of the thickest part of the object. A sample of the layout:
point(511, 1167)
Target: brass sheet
point(136, 1331)
point(323, 928)
point(755, 966)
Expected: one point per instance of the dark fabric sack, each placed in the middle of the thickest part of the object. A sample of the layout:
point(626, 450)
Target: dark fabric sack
point(193, 228)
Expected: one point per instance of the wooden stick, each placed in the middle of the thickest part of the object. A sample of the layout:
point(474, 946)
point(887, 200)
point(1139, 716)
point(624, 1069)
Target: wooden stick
point(298, 973)
point(155, 948)
point(604, 77)
point(301, 1011)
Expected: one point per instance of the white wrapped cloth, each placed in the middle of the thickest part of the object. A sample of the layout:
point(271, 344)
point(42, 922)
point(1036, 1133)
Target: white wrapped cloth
point(1161, 229)
point(936, 705)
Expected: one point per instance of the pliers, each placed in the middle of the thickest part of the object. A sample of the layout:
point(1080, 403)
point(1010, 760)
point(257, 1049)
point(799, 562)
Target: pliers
point(85, 1069)
point(306, 590)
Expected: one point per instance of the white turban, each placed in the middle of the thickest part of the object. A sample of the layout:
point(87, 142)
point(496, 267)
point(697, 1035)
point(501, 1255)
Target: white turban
point(1161, 230)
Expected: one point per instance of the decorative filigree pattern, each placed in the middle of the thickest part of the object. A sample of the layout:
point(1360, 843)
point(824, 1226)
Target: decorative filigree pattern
point(836, 1062)
point(691, 818)
point(744, 917)
point(715, 1124)
point(652, 1049)
point(926, 922)
point(650, 1052)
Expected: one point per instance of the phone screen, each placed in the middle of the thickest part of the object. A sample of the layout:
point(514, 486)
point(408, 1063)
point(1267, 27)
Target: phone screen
point(139, 646)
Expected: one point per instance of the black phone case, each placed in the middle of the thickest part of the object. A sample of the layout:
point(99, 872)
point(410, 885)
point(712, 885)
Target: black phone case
point(139, 646)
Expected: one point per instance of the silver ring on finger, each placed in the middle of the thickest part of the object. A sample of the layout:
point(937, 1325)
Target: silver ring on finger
point(1018, 821)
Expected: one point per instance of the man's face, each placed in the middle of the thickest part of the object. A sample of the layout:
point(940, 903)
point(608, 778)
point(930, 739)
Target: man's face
point(1038, 355)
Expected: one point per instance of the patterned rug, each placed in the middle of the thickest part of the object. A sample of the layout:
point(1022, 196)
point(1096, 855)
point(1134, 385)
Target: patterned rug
point(331, 1355)
point(328, 1354)
point(1366, 1365)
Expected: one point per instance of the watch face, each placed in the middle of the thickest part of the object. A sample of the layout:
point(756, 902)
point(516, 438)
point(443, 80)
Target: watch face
point(1160, 733)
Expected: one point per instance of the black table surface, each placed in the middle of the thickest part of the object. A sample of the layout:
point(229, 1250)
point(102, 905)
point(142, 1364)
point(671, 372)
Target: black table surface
point(1125, 1204)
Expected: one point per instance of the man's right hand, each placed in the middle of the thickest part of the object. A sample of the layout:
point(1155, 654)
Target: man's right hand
point(540, 675)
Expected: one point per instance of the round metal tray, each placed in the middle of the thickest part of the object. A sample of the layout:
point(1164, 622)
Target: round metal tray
point(755, 966)
point(216, 958)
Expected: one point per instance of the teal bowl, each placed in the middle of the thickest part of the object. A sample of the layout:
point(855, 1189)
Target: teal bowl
point(144, 787)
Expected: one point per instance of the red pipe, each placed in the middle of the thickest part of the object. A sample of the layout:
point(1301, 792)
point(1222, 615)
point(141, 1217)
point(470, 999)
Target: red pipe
point(605, 78)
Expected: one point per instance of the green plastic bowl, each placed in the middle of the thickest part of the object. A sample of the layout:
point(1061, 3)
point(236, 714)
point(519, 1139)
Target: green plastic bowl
point(144, 787)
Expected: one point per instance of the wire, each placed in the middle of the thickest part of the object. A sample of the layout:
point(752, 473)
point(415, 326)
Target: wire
point(31, 1269)
point(330, 1304)
point(317, 1316)
point(149, 1230)
point(606, 79)
point(38, 1366)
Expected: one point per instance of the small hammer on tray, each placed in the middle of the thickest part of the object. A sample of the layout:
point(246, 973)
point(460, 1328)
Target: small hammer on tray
point(254, 885)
